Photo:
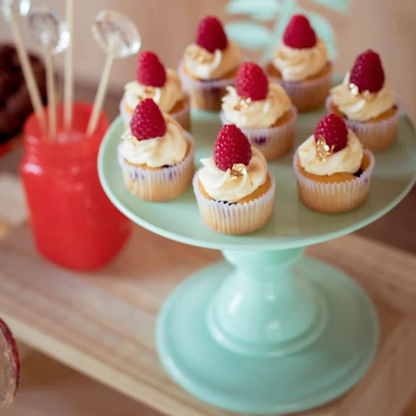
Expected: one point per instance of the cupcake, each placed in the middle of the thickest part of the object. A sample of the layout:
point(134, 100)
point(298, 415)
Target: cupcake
point(156, 155)
point(333, 171)
point(262, 110)
point(161, 84)
point(234, 190)
point(301, 65)
point(209, 65)
point(367, 103)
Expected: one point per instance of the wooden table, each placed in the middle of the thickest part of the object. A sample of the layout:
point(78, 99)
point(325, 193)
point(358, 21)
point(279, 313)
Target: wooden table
point(102, 324)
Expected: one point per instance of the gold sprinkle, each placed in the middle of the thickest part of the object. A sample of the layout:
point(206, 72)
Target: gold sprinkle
point(323, 151)
point(238, 169)
point(242, 103)
point(198, 56)
point(129, 137)
point(193, 54)
point(368, 96)
point(200, 59)
point(147, 92)
point(282, 55)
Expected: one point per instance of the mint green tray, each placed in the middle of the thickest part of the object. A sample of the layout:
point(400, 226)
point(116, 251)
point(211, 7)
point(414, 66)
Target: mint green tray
point(268, 331)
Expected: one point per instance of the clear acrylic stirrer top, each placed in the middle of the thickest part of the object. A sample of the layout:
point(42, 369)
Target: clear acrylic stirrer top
point(53, 36)
point(117, 35)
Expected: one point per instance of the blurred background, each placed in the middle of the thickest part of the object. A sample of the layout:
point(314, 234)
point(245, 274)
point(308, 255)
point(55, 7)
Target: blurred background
point(166, 26)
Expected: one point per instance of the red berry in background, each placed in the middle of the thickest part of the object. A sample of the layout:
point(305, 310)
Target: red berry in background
point(252, 82)
point(150, 71)
point(147, 121)
point(231, 147)
point(211, 34)
point(334, 130)
point(367, 73)
point(299, 33)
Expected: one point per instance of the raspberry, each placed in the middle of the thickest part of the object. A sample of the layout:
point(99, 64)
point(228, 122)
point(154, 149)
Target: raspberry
point(334, 130)
point(231, 147)
point(211, 34)
point(367, 73)
point(252, 82)
point(147, 121)
point(150, 71)
point(299, 33)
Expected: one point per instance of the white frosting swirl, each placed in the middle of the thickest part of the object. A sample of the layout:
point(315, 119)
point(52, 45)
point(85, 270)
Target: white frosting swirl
point(299, 64)
point(256, 114)
point(346, 160)
point(202, 64)
point(222, 186)
point(168, 149)
point(363, 106)
point(165, 97)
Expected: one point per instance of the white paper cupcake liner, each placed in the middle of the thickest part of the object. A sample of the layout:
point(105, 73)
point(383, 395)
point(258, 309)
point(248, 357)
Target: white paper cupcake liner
point(273, 142)
point(236, 219)
point(376, 135)
point(205, 95)
point(183, 116)
point(307, 95)
point(332, 198)
point(160, 184)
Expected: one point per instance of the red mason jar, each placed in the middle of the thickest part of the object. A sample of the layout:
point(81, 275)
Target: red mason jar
point(74, 223)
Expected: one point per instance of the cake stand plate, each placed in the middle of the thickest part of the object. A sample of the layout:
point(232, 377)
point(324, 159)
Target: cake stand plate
point(293, 225)
point(269, 331)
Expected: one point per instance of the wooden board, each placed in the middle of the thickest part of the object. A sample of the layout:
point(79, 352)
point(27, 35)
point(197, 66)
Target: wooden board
point(102, 324)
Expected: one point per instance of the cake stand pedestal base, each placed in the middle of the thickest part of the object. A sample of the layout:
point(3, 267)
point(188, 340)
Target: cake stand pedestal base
point(277, 334)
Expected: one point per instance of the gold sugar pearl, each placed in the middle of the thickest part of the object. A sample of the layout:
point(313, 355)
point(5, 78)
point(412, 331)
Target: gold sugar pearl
point(367, 95)
point(354, 89)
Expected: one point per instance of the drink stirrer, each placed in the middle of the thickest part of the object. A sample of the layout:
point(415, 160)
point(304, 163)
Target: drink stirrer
point(10, 10)
point(53, 36)
point(117, 35)
point(69, 68)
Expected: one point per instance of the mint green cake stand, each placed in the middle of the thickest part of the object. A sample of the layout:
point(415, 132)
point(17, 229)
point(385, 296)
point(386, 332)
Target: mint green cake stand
point(268, 331)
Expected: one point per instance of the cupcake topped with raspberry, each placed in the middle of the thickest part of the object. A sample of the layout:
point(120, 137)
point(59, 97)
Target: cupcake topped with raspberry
point(234, 190)
point(300, 54)
point(364, 93)
point(213, 55)
point(331, 149)
point(332, 169)
point(262, 109)
point(366, 102)
point(301, 65)
point(254, 102)
point(209, 64)
point(155, 154)
point(161, 84)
